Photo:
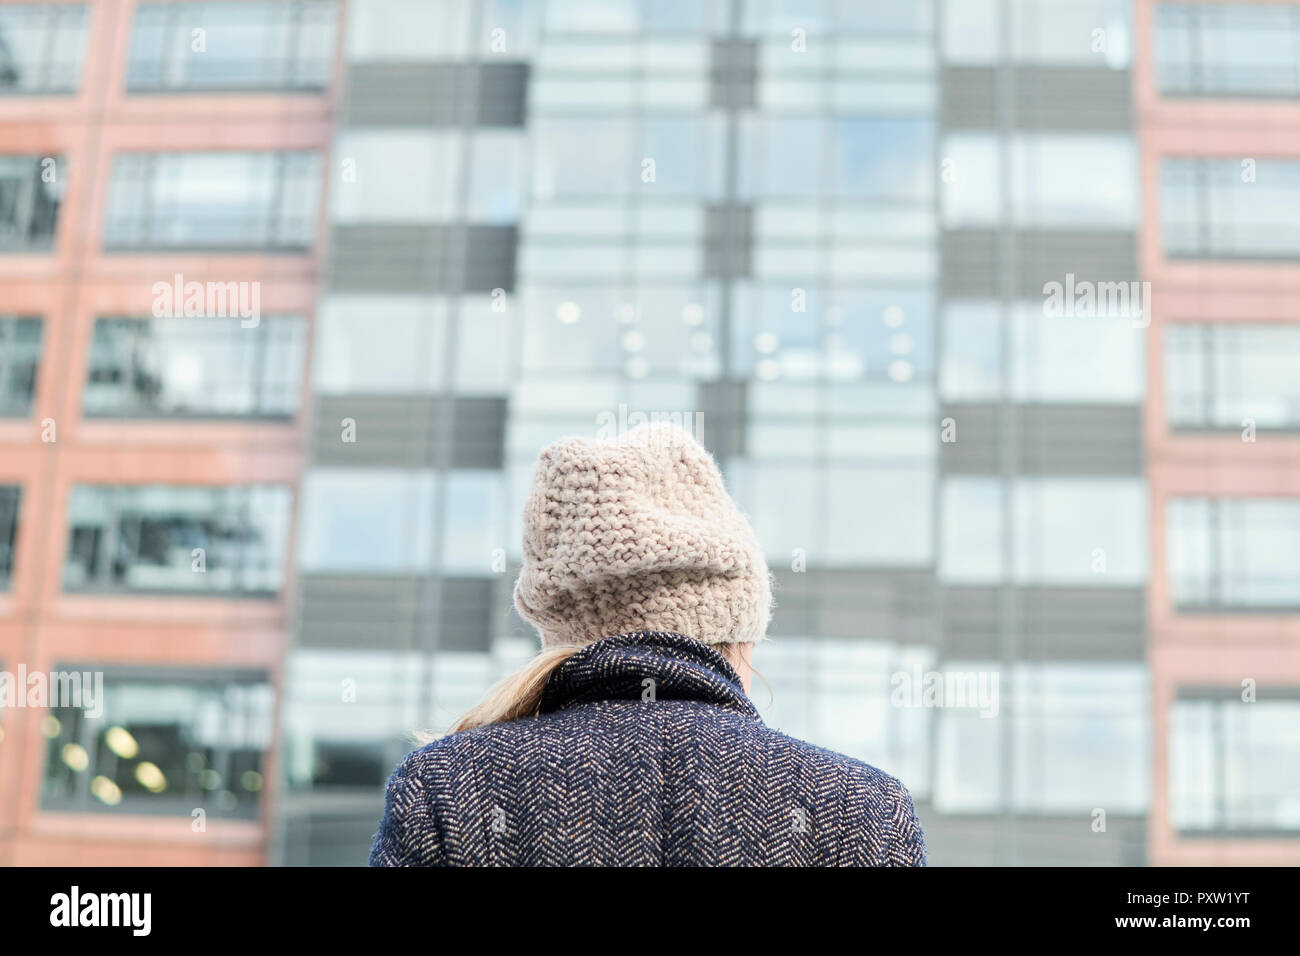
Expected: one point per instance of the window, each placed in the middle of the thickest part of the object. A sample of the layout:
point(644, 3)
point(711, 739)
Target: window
point(1228, 376)
point(1079, 740)
point(584, 158)
point(367, 521)
point(20, 354)
point(474, 523)
point(1232, 766)
point(1064, 531)
point(214, 201)
point(409, 30)
point(875, 158)
point(1226, 553)
point(232, 46)
point(1212, 208)
point(1054, 359)
point(198, 368)
point(1080, 531)
point(160, 742)
point(379, 345)
point(42, 47)
point(1227, 49)
point(844, 516)
point(401, 176)
point(178, 539)
point(31, 191)
point(1072, 359)
point(1054, 180)
point(1050, 32)
point(971, 543)
point(9, 497)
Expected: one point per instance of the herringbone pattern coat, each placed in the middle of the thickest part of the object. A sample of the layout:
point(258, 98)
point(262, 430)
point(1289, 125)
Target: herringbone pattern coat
point(646, 752)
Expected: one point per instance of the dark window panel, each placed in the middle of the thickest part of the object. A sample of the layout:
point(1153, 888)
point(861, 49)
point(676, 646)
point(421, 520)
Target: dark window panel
point(10, 495)
point(31, 192)
point(728, 241)
point(734, 74)
point(20, 356)
point(434, 94)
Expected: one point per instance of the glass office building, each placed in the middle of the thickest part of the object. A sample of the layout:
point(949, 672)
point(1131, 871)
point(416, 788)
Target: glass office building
point(818, 233)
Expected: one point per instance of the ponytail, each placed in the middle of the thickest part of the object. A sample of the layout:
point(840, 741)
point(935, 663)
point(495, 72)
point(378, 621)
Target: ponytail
point(514, 696)
point(520, 694)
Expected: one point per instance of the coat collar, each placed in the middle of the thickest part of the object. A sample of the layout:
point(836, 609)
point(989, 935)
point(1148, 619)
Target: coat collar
point(616, 667)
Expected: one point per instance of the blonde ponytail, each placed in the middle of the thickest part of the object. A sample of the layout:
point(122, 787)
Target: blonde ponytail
point(514, 696)
point(520, 694)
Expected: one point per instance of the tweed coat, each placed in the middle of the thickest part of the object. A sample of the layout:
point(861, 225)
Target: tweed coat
point(645, 752)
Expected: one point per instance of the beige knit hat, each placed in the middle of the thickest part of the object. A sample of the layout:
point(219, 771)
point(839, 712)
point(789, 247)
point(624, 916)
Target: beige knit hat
point(638, 533)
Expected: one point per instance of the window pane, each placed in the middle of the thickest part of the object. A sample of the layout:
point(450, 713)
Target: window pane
point(42, 47)
point(1229, 376)
point(366, 521)
point(162, 744)
point(177, 539)
point(1226, 552)
point(232, 46)
point(213, 201)
point(1228, 50)
point(20, 355)
point(1232, 764)
point(31, 191)
point(151, 368)
point(1230, 209)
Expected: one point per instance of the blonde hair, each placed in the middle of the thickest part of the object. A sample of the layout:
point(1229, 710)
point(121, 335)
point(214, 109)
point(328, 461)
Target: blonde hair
point(520, 694)
point(515, 695)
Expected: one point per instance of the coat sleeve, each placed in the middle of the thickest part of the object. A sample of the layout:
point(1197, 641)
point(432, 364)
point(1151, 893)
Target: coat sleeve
point(408, 834)
point(908, 847)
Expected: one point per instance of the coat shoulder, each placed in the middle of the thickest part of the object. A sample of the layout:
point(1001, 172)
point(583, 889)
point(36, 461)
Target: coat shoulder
point(871, 802)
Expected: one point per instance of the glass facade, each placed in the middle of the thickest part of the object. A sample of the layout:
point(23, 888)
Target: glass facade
point(1207, 50)
point(1232, 376)
point(177, 539)
point(42, 46)
point(31, 191)
point(161, 741)
point(711, 224)
point(195, 368)
point(1232, 763)
point(213, 200)
point(10, 495)
point(1234, 553)
point(1216, 208)
point(20, 357)
point(231, 45)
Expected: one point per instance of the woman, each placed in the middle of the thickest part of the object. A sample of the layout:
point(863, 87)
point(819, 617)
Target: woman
point(630, 739)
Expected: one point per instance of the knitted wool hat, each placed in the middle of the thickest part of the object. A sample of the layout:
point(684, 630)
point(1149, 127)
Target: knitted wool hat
point(638, 533)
